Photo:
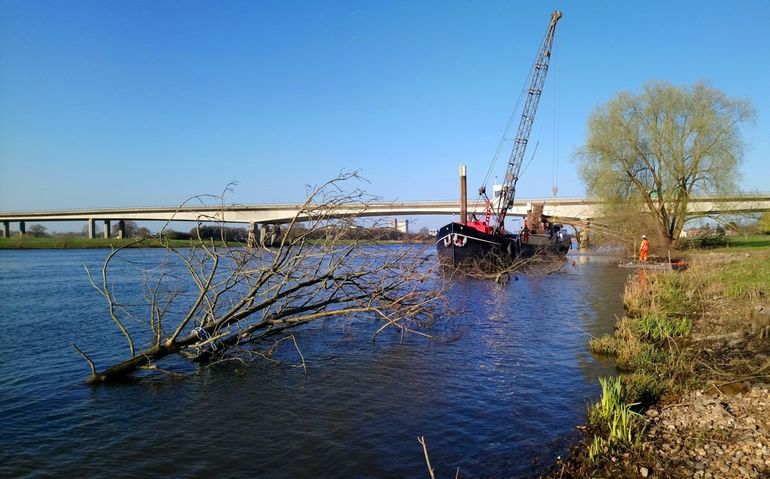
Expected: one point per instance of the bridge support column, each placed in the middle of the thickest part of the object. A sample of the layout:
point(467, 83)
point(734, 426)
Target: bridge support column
point(22, 228)
point(583, 236)
point(253, 235)
point(91, 228)
point(269, 235)
point(263, 234)
point(6, 229)
point(121, 229)
point(106, 229)
point(274, 238)
point(402, 226)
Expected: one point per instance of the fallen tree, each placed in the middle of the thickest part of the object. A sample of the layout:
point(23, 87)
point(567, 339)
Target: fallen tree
point(233, 298)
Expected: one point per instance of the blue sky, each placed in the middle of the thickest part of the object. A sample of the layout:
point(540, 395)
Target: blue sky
point(107, 103)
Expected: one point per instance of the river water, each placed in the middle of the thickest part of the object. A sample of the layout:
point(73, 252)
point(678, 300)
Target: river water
point(496, 393)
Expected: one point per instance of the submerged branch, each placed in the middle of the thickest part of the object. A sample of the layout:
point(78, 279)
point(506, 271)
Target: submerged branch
point(85, 356)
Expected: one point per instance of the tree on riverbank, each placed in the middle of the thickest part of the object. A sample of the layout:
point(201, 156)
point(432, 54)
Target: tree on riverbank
point(37, 231)
point(764, 223)
point(652, 151)
point(130, 229)
point(211, 303)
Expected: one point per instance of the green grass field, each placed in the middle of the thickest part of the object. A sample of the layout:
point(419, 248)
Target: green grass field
point(746, 242)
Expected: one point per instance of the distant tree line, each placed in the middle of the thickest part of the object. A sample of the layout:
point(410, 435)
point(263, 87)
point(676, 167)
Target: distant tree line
point(240, 234)
point(210, 232)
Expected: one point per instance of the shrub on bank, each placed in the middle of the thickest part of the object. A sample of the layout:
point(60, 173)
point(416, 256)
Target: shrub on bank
point(617, 425)
point(657, 326)
point(606, 344)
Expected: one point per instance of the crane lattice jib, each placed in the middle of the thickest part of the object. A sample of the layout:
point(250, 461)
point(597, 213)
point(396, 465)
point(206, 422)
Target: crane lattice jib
point(536, 83)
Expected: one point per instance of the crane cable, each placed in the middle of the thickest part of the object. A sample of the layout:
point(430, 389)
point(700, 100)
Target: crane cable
point(555, 132)
point(556, 108)
point(513, 115)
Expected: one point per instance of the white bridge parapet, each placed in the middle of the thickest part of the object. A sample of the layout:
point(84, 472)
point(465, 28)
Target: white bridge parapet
point(564, 209)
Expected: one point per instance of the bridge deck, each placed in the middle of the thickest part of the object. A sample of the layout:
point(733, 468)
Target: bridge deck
point(579, 209)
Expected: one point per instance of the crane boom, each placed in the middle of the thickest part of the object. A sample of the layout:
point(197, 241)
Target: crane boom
point(536, 83)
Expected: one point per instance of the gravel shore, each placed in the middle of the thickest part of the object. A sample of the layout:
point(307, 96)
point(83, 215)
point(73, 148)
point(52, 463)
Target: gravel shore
point(712, 434)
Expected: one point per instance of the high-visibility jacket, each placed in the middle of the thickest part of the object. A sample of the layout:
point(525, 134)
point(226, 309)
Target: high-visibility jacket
point(643, 249)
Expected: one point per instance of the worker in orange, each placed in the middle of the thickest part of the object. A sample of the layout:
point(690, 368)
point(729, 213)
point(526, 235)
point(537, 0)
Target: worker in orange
point(643, 248)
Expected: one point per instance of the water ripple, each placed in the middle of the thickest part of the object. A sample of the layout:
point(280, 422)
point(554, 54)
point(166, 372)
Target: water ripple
point(499, 384)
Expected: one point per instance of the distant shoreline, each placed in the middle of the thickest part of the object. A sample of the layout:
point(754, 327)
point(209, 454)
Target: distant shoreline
point(26, 243)
point(19, 242)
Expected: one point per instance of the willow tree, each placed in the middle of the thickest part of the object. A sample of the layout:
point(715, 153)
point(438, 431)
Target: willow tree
point(657, 149)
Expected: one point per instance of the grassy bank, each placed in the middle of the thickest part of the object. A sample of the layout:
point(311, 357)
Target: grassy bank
point(683, 335)
point(744, 243)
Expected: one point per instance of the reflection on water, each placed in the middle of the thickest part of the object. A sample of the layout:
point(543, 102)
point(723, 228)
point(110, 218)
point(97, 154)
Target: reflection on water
point(497, 386)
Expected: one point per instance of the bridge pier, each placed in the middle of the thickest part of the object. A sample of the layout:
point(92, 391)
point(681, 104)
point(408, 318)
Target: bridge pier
point(22, 228)
point(269, 235)
point(403, 225)
point(583, 235)
point(91, 228)
point(253, 235)
point(106, 229)
point(6, 229)
point(263, 235)
point(121, 229)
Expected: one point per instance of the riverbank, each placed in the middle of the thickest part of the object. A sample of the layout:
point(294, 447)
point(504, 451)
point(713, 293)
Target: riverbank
point(693, 396)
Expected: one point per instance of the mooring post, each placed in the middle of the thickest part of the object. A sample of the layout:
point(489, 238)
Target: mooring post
point(463, 196)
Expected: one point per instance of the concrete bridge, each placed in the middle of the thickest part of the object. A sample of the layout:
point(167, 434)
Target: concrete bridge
point(566, 210)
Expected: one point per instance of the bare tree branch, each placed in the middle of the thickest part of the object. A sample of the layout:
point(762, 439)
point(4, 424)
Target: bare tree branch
point(233, 298)
point(421, 440)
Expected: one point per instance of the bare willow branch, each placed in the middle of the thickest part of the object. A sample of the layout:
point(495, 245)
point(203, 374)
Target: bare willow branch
point(85, 356)
point(421, 440)
point(198, 301)
point(107, 293)
point(220, 301)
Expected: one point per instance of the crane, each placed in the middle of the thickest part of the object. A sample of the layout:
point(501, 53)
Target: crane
point(536, 82)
